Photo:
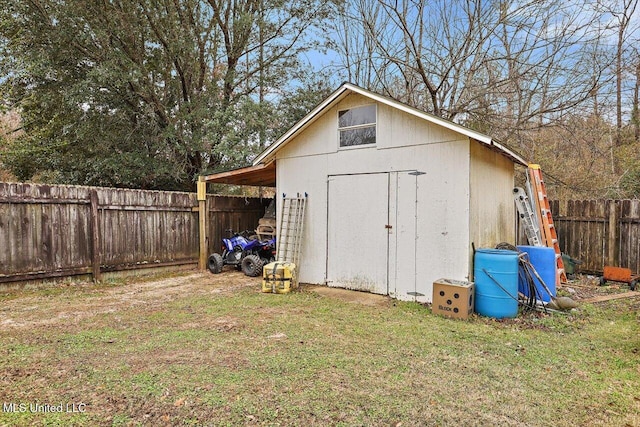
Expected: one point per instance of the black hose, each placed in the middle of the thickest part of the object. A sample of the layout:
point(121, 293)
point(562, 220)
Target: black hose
point(529, 271)
point(529, 301)
point(526, 272)
point(532, 274)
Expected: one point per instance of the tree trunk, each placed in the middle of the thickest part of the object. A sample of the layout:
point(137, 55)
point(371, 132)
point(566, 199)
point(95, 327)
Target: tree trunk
point(618, 141)
point(636, 109)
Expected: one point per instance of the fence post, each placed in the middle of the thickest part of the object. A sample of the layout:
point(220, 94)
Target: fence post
point(612, 235)
point(95, 236)
point(202, 221)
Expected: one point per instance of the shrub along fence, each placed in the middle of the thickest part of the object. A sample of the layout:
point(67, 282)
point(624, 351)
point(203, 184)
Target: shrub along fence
point(51, 231)
point(599, 232)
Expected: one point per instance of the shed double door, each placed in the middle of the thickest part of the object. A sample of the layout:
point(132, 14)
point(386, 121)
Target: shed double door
point(372, 233)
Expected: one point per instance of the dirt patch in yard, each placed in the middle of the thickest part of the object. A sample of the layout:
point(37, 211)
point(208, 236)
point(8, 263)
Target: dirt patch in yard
point(584, 287)
point(355, 297)
point(24, 309)
point(30, 309)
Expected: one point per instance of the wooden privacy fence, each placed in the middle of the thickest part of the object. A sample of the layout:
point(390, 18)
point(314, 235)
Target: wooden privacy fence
point(56, 231)
point(599, 232)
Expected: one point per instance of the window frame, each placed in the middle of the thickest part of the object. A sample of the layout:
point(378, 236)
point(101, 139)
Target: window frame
point(373, 125)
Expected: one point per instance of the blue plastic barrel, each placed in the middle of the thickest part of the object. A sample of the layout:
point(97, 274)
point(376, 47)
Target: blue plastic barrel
point(496, 277)
point(543, 260)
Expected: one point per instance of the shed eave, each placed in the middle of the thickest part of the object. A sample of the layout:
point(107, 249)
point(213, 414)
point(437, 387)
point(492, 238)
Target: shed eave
point(263, 174)
point(269, 153)
point(510, 153)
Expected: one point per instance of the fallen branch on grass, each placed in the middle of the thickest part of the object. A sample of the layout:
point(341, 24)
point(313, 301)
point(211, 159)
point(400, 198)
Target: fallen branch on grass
point(602, 298)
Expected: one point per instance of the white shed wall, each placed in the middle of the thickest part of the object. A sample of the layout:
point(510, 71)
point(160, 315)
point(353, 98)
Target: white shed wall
point(435, 245)
point(300, 175)
point(492, 206)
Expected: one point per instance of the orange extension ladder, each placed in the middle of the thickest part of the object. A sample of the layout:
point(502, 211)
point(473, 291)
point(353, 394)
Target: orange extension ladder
point(543, 211)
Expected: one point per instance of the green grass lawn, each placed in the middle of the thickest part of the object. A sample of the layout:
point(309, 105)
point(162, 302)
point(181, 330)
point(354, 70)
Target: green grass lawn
point(246, 358)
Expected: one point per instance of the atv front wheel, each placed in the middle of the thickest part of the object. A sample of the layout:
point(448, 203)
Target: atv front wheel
point(252, 265)
point(215, 263)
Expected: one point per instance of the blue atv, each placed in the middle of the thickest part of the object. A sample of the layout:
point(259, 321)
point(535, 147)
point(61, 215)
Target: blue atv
point(245, 252)
point(257, 254)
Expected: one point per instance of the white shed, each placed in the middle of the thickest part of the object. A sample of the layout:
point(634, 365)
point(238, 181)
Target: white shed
point(397, 196)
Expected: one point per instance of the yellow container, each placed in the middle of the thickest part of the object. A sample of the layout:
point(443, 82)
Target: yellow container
point(279, 277)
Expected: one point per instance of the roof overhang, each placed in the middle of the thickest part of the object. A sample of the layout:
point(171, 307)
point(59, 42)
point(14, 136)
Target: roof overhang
point(257, 175)
point(268, 155)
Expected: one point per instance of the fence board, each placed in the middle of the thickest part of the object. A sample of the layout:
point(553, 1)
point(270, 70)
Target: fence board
point(629, 244)
point(599, 232)
point(146, 215)
point(33, 240)
point(47, 231)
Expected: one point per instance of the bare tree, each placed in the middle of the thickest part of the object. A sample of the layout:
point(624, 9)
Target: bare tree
point(505, 66)
point(622, 12)
point(635, 115)
point(355, 49)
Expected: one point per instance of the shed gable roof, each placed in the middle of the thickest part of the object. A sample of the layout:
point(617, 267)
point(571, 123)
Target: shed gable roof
point(269, 153)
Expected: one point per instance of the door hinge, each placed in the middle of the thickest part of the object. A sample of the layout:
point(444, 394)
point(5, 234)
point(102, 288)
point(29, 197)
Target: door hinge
point(388, 226)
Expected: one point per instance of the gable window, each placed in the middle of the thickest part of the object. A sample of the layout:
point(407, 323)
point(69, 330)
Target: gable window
point(357, 126)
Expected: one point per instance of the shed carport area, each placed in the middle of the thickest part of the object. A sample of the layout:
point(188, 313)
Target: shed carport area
point(263, 174)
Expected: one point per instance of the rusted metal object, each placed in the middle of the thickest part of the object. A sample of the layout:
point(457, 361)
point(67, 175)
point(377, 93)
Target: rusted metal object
point(619, 274)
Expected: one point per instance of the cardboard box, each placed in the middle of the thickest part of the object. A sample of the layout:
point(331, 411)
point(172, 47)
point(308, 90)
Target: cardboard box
point(453, 298)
